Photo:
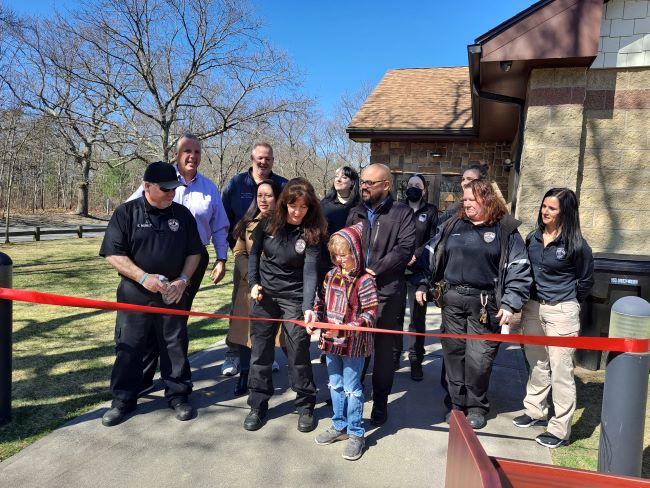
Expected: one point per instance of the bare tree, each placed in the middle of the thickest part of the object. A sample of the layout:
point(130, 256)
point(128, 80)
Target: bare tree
point(40, 75)
point(183, 59)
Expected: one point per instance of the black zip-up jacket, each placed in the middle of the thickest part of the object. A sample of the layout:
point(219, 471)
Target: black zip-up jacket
point(389, 244)
point(275, 263)
point(514, 281)
point(426, 222)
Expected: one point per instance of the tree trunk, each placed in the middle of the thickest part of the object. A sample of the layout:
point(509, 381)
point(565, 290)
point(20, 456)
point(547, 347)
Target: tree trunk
point(82, 190)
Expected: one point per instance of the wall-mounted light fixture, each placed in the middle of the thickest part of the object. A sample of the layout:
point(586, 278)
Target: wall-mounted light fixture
point(505, 65)
point(435, 154)
point(507, 165)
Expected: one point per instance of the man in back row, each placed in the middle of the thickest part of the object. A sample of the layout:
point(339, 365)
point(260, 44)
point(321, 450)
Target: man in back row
point(238, 195)
point(201, 197)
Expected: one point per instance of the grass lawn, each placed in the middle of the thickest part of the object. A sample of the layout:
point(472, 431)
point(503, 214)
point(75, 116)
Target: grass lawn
point(585, 434)
point(62, 357)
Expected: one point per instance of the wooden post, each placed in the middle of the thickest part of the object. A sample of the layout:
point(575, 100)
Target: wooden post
point(80, 231)
point(37, 234)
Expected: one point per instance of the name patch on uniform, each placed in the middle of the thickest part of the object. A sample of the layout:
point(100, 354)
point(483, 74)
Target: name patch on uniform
point(146, 224)
point(173, 224)
point(489, 237)
point(300, 245)
point(422, 217)
point(560, 253)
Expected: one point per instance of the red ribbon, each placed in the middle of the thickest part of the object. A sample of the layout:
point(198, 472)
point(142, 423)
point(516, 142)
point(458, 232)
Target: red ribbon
point(591, 343)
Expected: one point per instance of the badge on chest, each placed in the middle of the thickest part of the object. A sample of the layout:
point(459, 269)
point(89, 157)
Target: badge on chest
point(489, 237)
point(300, 246)
point(173, 224)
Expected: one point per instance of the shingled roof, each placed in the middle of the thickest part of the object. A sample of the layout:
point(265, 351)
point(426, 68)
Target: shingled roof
point(418, 99)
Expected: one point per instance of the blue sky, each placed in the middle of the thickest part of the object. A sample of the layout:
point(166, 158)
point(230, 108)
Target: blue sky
point(340, 46)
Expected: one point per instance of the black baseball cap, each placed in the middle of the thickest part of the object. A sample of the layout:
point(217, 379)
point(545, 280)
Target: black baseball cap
point(162, 174)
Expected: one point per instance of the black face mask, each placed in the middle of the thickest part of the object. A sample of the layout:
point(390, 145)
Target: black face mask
point(413, 194)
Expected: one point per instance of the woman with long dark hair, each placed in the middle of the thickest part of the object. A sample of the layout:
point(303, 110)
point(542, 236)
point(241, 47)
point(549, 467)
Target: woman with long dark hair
point(563, 268)
point(341, 197)
point(480, 265)
point(266, 195)
point(282, 275)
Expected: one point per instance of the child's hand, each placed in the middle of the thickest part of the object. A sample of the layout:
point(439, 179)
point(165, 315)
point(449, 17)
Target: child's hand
point(310, 330)
point(330, 333)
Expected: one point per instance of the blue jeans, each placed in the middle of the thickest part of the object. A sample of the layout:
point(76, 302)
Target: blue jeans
point(347, 393)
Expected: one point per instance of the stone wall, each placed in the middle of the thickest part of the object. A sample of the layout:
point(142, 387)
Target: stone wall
point(589, 130)
point(451, 157)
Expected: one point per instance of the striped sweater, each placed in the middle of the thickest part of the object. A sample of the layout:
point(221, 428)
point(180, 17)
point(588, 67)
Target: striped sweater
point(348, 298)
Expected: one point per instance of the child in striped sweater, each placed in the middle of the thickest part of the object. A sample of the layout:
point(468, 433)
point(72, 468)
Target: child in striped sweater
point(348, 296)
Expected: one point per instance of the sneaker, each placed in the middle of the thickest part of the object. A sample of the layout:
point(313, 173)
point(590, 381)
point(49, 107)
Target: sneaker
point(331, 435)
point(549, 440)
point(230, 366)
point(526, 421)
point(354, 448)
point(275, 367)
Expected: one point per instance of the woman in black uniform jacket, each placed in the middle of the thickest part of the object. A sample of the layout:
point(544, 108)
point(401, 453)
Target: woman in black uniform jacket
point(282, 275)
point(481, 262)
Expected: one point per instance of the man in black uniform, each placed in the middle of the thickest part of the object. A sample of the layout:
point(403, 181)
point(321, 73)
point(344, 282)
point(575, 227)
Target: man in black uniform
point(388, 243)
point(148, 238)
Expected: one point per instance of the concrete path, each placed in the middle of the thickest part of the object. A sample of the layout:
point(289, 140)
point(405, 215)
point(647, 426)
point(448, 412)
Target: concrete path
point(153, 449)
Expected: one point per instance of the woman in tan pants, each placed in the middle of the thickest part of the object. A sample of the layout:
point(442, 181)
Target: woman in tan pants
point(562, 266)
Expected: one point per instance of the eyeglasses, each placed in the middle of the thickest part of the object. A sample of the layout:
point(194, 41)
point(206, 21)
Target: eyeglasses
point(166, 190)
point(370, 183)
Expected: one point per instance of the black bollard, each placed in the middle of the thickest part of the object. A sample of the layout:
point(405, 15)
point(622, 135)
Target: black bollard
point(625, 392)
point(5, 340)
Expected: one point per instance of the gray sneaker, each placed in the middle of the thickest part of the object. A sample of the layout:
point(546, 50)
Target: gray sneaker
point(331, 435)
point(354, 448)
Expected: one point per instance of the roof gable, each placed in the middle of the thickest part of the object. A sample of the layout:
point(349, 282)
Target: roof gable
point(420, 98)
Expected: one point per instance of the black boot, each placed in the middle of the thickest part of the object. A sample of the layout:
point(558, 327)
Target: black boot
point(242, 384)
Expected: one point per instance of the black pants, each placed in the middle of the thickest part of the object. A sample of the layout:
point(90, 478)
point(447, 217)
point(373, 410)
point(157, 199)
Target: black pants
point(150, 359)
point(133, 333)
point(260, 379)
point(390, 315)
point(468, 363)
point(416, 324)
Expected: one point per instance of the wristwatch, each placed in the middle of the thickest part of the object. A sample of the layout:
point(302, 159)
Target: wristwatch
point(184, 279)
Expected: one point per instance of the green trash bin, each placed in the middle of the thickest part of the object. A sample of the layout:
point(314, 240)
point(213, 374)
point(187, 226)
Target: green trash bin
point(615, 276)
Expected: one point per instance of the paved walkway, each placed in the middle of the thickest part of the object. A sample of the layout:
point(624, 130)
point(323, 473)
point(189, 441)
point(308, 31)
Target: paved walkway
point(153, 449)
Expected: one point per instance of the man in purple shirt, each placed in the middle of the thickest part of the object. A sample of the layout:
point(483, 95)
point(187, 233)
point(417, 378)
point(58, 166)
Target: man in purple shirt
point(202, 198)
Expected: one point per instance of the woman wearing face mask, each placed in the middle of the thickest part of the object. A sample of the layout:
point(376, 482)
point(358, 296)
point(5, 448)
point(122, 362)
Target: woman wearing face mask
point(342, 196)
point(239, 331)
point(426, 220)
